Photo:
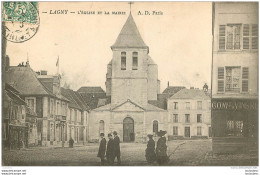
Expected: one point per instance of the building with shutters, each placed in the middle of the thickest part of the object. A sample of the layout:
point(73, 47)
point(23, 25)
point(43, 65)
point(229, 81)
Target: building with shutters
point(189, 115)
point(42, 94)
point(235, 77)
point(131, 82)
point(77, 114)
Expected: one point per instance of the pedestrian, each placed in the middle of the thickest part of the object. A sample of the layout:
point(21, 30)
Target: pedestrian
point(71, 142)
point(150, 150)
point(161, 149)
point(117, 147)
point(110, 150)
point(102, 149)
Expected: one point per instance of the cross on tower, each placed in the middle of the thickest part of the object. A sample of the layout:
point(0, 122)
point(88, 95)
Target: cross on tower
point(130, 3)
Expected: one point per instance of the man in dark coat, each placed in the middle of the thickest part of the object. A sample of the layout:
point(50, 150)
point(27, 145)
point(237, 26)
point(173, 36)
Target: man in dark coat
point(102, 149)
point(110, 150)
point(161, 149)
point(71, 142)
point(117, 147)
point(150, 150)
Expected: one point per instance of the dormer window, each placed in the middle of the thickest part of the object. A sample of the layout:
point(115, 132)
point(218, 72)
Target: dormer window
point(123, 60)
point(135, 61)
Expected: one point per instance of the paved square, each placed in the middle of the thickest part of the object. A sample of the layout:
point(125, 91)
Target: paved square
point(190, 153)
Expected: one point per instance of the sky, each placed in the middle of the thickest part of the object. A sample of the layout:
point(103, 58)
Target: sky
point(179, 41)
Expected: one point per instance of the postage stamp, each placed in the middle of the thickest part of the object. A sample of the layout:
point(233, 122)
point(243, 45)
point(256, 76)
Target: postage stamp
point(21, 20)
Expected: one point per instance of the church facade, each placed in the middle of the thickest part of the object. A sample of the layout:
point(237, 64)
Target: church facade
point(131, 81)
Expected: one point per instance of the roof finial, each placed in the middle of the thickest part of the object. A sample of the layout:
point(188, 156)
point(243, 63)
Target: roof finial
point(130, 3)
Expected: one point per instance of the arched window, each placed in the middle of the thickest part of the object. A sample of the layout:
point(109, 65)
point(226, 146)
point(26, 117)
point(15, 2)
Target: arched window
point(155, 126)
point(101, 126)
point(135, 61)
point(123, 60)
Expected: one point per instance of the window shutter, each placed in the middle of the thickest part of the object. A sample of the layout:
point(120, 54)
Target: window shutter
point(244, 85)
point(221, 79)
point(254, 36)
point(246, 36)
point(254, 30)
point(221, 73)
point(222, 37)
point(245, 72)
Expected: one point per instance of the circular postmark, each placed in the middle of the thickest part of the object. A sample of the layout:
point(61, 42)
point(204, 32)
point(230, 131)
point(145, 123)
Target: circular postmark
point(20, 20)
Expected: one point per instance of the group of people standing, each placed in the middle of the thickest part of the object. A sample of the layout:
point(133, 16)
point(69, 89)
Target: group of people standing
point(110, 150)
point(159, 154)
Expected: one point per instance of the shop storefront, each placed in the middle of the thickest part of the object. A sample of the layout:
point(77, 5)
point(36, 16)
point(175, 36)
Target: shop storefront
point(18, 137)
point(234, 125)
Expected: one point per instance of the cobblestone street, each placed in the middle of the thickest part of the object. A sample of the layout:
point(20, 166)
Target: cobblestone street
point(189, 153)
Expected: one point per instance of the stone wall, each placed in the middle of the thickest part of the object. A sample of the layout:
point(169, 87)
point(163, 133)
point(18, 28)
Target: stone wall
point(133, 89)
point(152, 82)
point(143, 123)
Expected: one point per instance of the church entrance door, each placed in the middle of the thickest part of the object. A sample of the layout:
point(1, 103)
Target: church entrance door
point(128, 130)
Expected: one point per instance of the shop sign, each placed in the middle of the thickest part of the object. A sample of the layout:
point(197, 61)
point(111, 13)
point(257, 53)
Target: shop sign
point(234, 105)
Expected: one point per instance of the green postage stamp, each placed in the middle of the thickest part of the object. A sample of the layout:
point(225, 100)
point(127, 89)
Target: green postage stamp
point(20, 20)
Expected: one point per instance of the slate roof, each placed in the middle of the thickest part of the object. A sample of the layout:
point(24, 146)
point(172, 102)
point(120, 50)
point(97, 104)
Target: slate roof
point(190, 94)
point(75, 99)
point(161, 101)
point(129, 36)
point(90, 89)
point(173, 89)
point(13, 95)
point(91, 99)
point(25, 81)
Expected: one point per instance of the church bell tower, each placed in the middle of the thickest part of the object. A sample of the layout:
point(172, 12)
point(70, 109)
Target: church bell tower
point(129, 77)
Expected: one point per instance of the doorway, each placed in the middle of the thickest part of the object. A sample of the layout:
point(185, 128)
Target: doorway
point(187, 131)
point(128, 130)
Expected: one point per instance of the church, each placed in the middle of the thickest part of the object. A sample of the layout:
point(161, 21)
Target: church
point(131, 85)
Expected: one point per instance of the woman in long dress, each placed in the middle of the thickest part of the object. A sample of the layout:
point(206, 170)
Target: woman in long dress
point(150, 150)
point(161, 149)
